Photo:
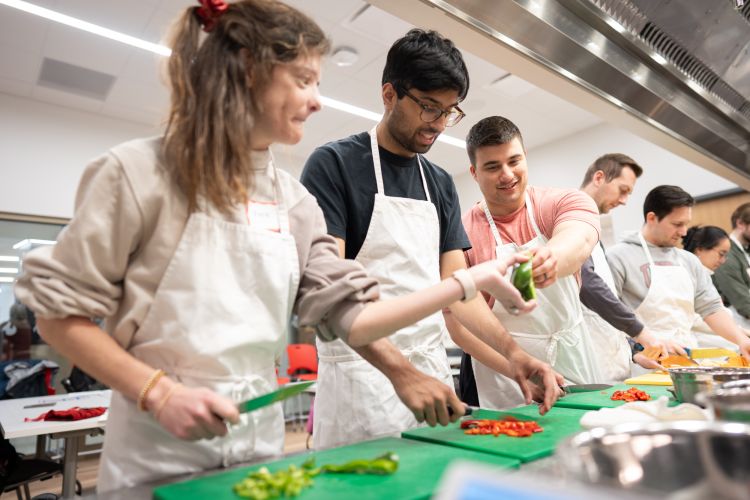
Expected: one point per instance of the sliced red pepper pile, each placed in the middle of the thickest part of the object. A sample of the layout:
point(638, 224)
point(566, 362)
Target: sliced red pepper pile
point(509, 426)
point(630, 395)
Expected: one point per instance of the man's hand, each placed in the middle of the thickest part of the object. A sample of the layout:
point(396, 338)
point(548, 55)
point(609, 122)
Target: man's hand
point(490, 277)
point(745, 349)
point(648, 339)
point(529, 370)
point(544, 267)
point(427, 397)
point(647, 363)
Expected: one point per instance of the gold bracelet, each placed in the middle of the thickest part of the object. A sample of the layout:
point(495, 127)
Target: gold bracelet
point(150, 383)
point(164, 400)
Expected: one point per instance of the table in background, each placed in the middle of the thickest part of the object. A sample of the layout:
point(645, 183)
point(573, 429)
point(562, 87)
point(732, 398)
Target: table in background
point(12, 425)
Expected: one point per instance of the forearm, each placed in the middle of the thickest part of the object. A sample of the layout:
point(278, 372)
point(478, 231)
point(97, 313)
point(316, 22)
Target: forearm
point(478, 319)
point(384, 356)
point(476, 348)
point(722, 323)
point(382, 318)
point(597, 296)
point(572, 246)
point(96, 353)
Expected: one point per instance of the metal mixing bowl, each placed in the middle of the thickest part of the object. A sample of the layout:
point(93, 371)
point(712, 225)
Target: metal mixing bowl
point(691, 380)
point(678, 460)
point(730, 402)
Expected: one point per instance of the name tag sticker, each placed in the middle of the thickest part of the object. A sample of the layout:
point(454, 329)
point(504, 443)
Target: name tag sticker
point(263, 215)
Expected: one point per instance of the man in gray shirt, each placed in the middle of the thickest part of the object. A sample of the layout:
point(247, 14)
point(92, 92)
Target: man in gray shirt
point(666, 285)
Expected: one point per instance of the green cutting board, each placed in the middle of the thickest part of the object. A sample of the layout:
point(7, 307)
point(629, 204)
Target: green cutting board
point(420, 467)
point(595, 400)
point(558, 424)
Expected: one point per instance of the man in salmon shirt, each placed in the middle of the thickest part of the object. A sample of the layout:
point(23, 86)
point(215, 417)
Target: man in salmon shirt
point(560, 228)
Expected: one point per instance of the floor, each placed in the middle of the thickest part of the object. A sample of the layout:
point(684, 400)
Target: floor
point(296, 440)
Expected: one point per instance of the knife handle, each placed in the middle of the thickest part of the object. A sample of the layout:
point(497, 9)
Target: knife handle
point(468, 410)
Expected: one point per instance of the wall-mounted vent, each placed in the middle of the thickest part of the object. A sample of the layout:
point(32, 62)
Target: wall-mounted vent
point(75, 79)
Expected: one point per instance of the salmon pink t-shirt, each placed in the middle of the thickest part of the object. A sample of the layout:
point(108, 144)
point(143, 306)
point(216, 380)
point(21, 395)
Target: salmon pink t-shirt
point(550, 206)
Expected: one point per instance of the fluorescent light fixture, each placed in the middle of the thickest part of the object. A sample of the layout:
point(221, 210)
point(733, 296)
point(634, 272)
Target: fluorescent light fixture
point(29, 242)
point(9, 258)
point(658, 58)
point(8, 270)
point(86, 26)
point(3, 279)
point(351, 109)
point(166, 51)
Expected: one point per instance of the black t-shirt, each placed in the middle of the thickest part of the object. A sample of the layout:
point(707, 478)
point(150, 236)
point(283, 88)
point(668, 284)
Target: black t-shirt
point(341, 176)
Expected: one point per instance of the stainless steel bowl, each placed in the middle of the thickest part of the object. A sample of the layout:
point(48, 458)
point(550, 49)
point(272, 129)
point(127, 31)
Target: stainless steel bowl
point(691, 380)
point(730, 402)
point(685, 460)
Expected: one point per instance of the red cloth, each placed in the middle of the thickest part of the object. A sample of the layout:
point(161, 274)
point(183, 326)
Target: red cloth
point(75, 413)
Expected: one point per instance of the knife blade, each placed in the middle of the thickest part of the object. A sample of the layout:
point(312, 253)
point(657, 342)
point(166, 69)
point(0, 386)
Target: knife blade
point(573, 389)
point(285, 392)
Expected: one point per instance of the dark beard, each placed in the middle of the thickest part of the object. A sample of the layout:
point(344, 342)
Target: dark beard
point(401, 136)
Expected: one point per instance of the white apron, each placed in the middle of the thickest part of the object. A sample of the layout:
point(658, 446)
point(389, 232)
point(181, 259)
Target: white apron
point(668, 309)
point(218, 320)
point(554, 332)
point(610, 345)
point(355, 401)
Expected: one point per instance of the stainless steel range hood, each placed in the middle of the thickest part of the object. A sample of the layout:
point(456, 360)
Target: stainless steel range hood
point(680, 68)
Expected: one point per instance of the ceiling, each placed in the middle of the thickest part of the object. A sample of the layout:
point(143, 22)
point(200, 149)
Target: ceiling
point(137, 95)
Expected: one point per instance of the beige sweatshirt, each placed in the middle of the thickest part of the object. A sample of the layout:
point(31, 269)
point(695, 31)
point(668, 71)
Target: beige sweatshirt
point(129, 218)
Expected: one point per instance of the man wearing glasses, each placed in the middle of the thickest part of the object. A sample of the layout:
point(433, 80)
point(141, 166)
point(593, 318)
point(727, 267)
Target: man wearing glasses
point(398, 214)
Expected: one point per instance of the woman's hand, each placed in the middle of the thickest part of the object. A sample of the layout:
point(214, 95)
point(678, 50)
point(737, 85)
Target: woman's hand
point(191, 413)
point(490, 277)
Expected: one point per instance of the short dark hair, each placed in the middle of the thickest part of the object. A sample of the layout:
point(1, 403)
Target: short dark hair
point(490, 131)
point(663, 199)
point(705, 238)
point(741, 213)
point(427, 61)
point(611, 164)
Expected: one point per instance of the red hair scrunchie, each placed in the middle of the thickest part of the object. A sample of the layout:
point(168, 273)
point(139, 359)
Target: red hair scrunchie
point(209, 12)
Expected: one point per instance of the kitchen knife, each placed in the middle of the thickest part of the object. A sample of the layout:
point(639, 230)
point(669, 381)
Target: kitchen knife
point(287, 391)
point(573, 389)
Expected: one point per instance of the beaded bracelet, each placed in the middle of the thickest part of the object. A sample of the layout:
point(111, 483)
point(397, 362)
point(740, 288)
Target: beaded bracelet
point(150, 383)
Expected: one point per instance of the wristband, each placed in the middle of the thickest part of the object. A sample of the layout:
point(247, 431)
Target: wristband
point(467, 283)
point(150, 383)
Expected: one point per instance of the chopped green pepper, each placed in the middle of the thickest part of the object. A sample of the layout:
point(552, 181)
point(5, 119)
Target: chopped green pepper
point(264, 485)
point(523, 280)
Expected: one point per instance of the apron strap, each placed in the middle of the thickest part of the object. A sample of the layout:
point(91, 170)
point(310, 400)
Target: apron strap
point(645, 250)
point(279, 195)
point(379, 170)
point(493, 226)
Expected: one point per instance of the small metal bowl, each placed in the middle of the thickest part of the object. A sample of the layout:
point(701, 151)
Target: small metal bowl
point(730, 402)
point(685, 460)
point(691, 380)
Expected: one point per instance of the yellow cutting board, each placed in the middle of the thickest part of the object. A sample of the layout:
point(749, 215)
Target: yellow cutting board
point(654, 378)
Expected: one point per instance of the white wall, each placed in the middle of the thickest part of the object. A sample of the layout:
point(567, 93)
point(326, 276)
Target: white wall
point(562, 163)
point(44, 149)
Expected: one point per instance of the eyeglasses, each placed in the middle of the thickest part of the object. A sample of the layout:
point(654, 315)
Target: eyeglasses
point(430, 114)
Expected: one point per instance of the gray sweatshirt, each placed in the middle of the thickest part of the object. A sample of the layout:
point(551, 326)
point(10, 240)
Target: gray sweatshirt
point(632, 277)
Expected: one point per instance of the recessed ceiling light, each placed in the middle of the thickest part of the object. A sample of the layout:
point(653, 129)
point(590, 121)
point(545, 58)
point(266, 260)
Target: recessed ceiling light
point(344, 56)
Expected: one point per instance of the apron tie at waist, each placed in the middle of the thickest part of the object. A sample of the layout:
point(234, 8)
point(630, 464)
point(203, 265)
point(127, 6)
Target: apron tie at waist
point(554, 338)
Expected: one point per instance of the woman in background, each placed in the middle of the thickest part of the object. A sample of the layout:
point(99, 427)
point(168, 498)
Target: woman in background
point(711, 245)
